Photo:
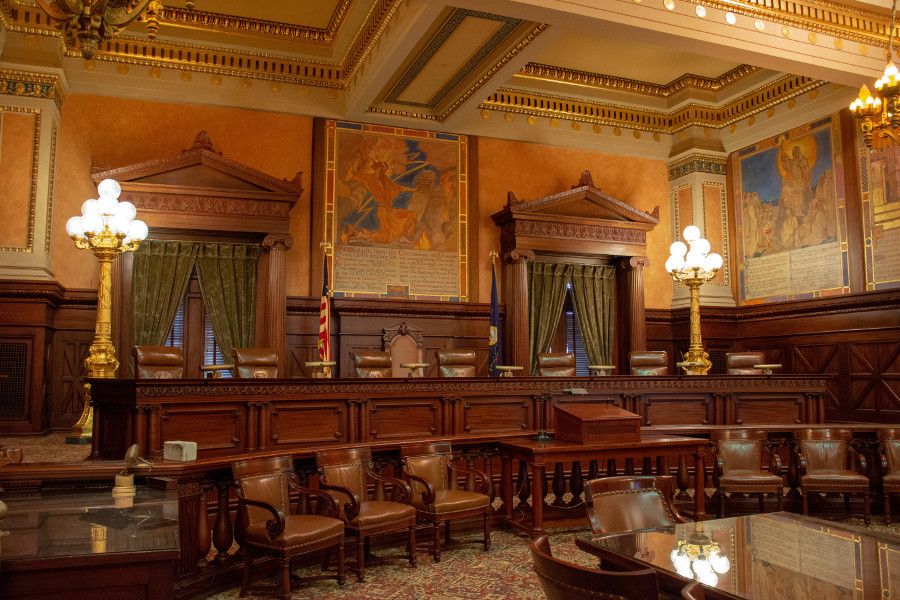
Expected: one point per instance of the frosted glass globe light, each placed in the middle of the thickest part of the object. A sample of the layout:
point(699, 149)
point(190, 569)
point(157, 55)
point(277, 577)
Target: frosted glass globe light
point(701, 565)
point(109, 187)
point(678, 248)
point(74, 228)
point(710, 579)
point(672, 263)
point(693, 260)
point(127, 210)
point(119, 225)
point(106, 205)
point(701, 245)
point(714, 260)
point(720, 563)
point(92, 224)
point(682, 563)
point(89, 207)
point(691, 233)
point(138, 231)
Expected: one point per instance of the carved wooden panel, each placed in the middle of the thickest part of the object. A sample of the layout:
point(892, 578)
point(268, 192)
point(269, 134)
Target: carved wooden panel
point(294, 423)
point(496, 415)
point(777, 409)
point(874, 377)
point(217, 429)
point(70, 348)
point(685, 408)
point(397, 419)
point(298, 356)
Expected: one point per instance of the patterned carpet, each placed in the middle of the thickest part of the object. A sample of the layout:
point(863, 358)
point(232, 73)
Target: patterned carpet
point(46, 448)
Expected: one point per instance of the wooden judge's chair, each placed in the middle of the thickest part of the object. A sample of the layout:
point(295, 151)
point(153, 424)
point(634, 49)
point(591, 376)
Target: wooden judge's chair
point(255, 363)
point(434, 479)
point(346, 474)
point(158, 362)
point(267, 526)
point(649, 362)
point(741, 363)
point(456, 363)
point(617, 504)
point(556, 364)
point(372, 364)
point(562, 580)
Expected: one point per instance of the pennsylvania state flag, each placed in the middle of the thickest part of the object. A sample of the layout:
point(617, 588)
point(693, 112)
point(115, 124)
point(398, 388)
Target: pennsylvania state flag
point(495, 342)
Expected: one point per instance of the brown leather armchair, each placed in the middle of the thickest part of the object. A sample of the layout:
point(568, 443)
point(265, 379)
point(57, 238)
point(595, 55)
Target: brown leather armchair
point(457, 363)
point(158, 362)
point(266, 526)
point(617, 504)
point(255, 363)
point(829, 463)
point(562, 580)
point(889, 448)
point(434, 479)
point(739, 466)
point(741, 363)
point(649, 362)
point(556, 364)
point(372, 364)
point(345, 474)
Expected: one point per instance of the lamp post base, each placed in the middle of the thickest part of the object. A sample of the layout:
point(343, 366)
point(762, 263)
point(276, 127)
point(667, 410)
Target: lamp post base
point(83, 430)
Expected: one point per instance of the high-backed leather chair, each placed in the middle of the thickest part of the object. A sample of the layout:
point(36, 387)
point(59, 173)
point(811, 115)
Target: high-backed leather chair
point(649, 362)
point(740, 457)
point(456, 363)
point(741, 363)
point(346, 474)
point(266, 525)
point(562, 580)
point(158, 362)
point(829, 463)
point(556, 364)
point(372, 364)
point(255, 363)
point(616, 504)
point(434, 479)
point(889, 447)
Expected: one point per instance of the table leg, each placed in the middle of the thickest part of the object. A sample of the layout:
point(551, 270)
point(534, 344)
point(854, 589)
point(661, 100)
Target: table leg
point(537, 502)
point(699, 487)
point(506, 486)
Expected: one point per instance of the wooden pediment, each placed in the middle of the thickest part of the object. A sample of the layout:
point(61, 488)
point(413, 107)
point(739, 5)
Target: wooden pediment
point(200, 189)
point(580, 220)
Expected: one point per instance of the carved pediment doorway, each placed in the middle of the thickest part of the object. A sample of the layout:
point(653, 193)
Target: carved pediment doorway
point(581, 225)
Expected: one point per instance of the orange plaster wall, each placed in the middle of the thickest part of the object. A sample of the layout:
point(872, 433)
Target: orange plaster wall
point(117, 132)
point(534, 170)
point(714, 222)
point(16, 161)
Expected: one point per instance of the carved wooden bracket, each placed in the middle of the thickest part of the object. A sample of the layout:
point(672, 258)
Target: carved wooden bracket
point(403, 328)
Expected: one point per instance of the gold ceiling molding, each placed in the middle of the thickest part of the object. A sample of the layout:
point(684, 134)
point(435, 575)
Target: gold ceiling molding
point(551, 74)
point(198, 19)
point(376, 23)
point(28, 84)
point(691, 115)
point(819, 16)
point(697, 163)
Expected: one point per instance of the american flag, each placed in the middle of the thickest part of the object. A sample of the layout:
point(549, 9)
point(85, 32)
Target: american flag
point(325, 321)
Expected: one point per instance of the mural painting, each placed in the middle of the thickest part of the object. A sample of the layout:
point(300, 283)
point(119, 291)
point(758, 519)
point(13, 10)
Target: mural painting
point(396, 212)
point(880, 185)
point(790, 220)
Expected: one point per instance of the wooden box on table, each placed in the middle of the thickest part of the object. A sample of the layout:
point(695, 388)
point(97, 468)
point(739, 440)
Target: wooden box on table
point(585, 423)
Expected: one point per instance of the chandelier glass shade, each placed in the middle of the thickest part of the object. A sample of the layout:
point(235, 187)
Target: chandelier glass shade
point(878, 114)
point(699, 557)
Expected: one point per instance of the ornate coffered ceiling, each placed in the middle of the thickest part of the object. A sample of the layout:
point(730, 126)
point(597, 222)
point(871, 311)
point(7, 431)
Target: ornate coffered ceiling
point(653, 78)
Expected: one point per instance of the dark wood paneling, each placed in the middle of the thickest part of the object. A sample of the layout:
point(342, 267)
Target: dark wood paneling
point(295, 423)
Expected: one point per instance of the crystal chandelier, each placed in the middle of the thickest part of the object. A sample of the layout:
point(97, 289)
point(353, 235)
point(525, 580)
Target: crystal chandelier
point(879, 115)
point(699, 557)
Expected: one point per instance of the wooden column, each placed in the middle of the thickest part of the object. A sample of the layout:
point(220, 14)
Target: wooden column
point(631, 280)
point(272, 301)
point(516, 300)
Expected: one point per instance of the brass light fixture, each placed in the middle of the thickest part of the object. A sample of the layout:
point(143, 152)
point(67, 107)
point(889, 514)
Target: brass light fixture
point(88, 22)
point(879, 115)
point(107, 228)
point(699, 557)
point(692, 265)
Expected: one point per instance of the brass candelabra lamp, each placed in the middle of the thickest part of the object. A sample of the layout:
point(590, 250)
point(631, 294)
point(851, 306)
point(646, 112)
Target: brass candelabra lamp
point(699, 557)
point(878, 115)
point(107, 228)
point(692, 265)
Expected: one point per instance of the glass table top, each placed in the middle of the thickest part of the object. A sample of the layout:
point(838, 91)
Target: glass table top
point(87, 523)
point(770, 556)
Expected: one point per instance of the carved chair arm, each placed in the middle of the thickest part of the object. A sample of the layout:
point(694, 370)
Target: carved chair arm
point(402, 490)
point(351, 508)
point(882, 456)
point(325, 503)
point(274, 526)
point(860, 460)
point(428, 494)
point(720, 465)
point(774, 460)
point(481, 481)
point(802, 463)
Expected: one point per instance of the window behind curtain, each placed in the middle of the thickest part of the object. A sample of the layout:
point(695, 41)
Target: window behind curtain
point(574, 343)
point(175, 338)
point(212, 354)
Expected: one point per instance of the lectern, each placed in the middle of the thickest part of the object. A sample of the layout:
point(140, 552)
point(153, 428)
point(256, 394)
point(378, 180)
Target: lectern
point(588, 423)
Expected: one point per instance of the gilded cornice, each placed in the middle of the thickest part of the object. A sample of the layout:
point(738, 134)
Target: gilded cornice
point(376, 23)
point(697, 163)
point(198, 19)
point(586, 111)
point(549, 73)
point(30, 84)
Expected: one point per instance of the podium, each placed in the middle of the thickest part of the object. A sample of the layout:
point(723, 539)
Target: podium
point(588, 423)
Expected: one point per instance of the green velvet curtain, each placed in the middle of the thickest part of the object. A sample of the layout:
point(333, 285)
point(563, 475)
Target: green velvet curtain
point(592, 296)
point(160, 275)
point(227, 274)
point(546, 297)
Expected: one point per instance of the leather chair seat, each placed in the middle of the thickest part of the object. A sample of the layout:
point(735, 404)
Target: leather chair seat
point(299, 531)
point(747, 478)
point(830, 478)
point(377, 513)
point(449, 501)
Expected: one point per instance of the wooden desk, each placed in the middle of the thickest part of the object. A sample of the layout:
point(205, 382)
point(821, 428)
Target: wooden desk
point(539, 455)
